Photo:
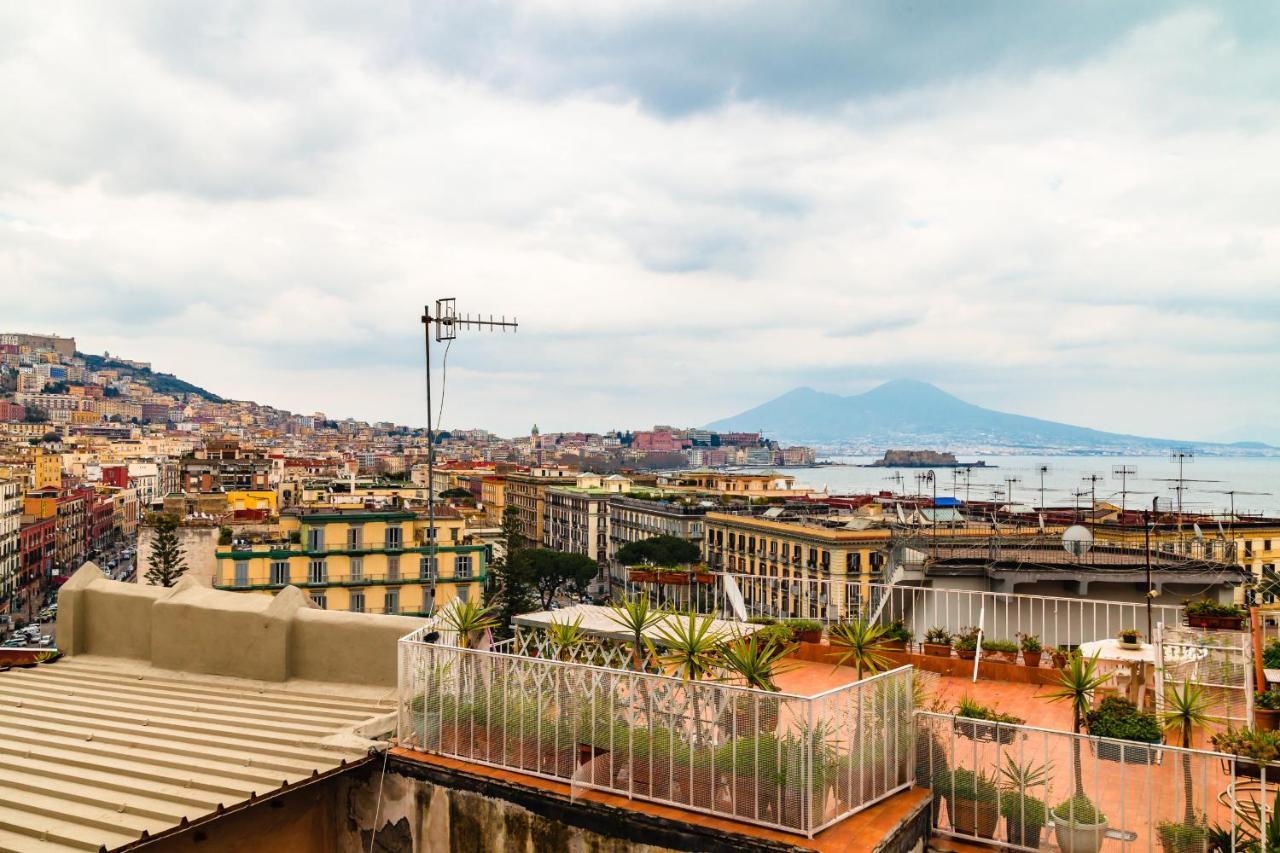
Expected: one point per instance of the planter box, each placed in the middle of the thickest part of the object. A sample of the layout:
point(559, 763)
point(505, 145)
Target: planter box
point(1217, 623)
point(937, 650)
point(704, 577)
point(972, 817)
point(894, 645)
point(983, 730)
point(641, 577)
point(809, 636)
point(1127, 753)
point(674, 578)
point(966, 654)
point(1246, 768)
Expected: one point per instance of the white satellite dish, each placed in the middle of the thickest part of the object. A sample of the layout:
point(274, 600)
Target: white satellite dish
point(1077, 540)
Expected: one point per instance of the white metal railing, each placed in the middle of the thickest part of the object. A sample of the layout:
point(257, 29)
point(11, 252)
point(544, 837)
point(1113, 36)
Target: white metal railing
point(1151, 796)
point(1056, 620)
point(792, 762)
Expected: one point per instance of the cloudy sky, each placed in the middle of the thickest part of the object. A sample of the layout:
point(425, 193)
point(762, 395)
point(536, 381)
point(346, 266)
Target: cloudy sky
point(1063, 210)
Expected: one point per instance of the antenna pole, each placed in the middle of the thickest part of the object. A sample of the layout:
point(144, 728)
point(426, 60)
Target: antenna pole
point(1146, 535)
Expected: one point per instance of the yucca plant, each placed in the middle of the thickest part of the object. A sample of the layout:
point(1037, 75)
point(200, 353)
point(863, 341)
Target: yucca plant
point(636, 616)
point(864, 645)
point(692, 646)
point(1076, 683)
point(566, 639)
point(469, 620)
point(756, 662)
point(1186, 708)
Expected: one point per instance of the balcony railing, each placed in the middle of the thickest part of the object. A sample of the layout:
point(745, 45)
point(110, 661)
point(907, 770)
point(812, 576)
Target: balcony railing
point(396, 578)
point(786, 761)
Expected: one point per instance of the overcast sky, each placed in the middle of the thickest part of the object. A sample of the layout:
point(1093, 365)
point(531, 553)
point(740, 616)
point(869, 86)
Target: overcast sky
point(1062, 210)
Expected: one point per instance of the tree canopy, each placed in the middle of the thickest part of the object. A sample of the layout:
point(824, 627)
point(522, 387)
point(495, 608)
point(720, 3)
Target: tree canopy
point(168, 561)
point(548, 571)
point(660, 551)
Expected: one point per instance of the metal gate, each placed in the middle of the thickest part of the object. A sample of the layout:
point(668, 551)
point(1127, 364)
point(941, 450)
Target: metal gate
point(1220, 662)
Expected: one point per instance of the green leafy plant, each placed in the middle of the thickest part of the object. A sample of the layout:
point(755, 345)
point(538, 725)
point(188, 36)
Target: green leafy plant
point(1117, 717)
point(1210, 607)
point(1267, 700)
point(469, 619)
point(761, 620)
point(1256, 744)
point(1016, 805)
point(1030, 643)
point(1022, 807)
point(971, 709)
point(1075, 684)
point(755, 662)
point(966, 640)
point(801, 626)
point(1182, 837)
point(1078, 809)
point(938, 636)
point(966, 785)
point(1271, 655)
point(1129, 635)
point(863, 645)
point(898, 630)
point(776, 633)
point(691, 645)
point(636, 616)
point(567, 639)
point(1006, 647)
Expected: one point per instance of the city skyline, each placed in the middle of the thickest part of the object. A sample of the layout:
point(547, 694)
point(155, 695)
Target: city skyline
point(1035, 218)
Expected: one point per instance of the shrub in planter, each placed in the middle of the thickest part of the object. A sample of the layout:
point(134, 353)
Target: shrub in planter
point(1271, 655)
point(966, 643)
point(1078, 825)
point(1266, 710)
point(805, 630)
point(973, 801)
point(1207, 613)
point(1060, 656)
point(775, 633)
point(1032, 649)
point(1256, 748)
point(1000, 650)
point(1181, 837)
point(979, 722)
point(937, 642)
point(1130, 637)
point(1025, 817)
point(1120, 719)
point(896, 636)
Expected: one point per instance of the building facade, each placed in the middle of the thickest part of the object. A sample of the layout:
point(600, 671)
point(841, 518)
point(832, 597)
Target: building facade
point(11, 491)
point(363, 560)
point(634, 519)
point(577, 516)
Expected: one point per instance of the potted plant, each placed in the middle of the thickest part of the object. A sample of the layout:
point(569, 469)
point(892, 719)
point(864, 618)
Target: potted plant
point(1004, 651)
point(861, 646)
point(1185, 709)
point(805, 630)
point(755, 663)
point(1266, 710)
point(1032, 649)
point(1254, 749)
point(966, 644)
point(675, 577)
point(1179, 837)
point(937, 642)
point(1207, 613)
point(641, 575)
point(979, 722)
point(973, 801)
point(1271, 655)
point(897, 636)
point(1130, 639)
point(1025, 816)
point(1078, 826)
point(1117, 718)
point(1060, 655)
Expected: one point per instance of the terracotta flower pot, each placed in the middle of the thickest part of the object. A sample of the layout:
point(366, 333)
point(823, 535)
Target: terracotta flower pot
point(937, 650)
point(1266, 720)
point(966, 654)
point(1032, 659)
point(973, 817)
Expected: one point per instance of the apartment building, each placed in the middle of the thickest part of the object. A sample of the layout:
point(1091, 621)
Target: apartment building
point(362, 560)
point(526, 491)
point(763, 485)
point(577, 516)
point(636, 517)
point(794, 548)
point(12, 488)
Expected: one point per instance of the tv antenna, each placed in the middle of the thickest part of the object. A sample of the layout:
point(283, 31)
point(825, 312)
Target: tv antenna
point(444, 326)
point(1042, 469)
point(1078, 494)
point(1231, 519)
point(1124, 472)
point(896, 477)
point(967, 470)
point(1011, 481)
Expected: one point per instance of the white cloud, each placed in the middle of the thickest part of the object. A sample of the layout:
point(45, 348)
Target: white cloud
point(263, 203)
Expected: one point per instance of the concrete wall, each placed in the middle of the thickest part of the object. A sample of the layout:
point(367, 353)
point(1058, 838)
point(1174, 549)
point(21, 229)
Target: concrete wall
point(195, 629)
point(199, 544)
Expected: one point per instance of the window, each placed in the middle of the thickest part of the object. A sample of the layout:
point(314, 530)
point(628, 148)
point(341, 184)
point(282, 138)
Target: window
point(428, 599)
point(320, 599)
point(357, 602)
point(279, 572)
point(317, 572)
point(315, 539)
point(462, 566)
point(395, 537)
point(391, 601)
point(393, 567)
point(427, 567)
point(355, 538)
point(357, 568)
point(242, 572)
point(464, 592)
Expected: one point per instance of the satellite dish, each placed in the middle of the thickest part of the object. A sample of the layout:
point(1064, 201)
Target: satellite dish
point(1199, 532)
point(1077, 540)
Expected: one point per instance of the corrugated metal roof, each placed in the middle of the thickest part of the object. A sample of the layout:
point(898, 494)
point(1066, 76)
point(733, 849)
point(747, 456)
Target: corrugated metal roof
point(96, 753)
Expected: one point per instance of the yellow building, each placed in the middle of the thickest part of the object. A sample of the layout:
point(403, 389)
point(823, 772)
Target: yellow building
point(763, 485)
point(363, 560)
point(527, 492)
point(46, 471)
point(259, 501)
point(493, 495)
point(795, 550)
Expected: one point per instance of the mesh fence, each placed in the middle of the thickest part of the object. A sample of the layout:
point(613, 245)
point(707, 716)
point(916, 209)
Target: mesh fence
point(1020, 785)
point(791, 762)
point(1218, 662)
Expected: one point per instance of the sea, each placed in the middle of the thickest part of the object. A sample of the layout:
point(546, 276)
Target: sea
point(1206, 481)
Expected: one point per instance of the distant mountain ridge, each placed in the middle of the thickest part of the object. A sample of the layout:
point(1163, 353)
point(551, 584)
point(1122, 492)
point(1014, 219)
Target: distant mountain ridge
point(910, 413)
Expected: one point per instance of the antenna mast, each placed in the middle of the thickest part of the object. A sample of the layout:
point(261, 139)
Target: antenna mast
point(444, 327)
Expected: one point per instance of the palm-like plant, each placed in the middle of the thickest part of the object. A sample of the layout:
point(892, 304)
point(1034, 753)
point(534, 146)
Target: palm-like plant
point(691, 643)
point(1076, 683)
point(756, 662)
point(635, 616)
point(566, 638)
point(1185, 709)
point(863, 643)
point(469, 619)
